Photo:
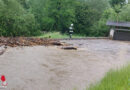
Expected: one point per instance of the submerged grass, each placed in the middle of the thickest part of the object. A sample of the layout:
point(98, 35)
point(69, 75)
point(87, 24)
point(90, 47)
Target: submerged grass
point(58, 35)
point(114, 80)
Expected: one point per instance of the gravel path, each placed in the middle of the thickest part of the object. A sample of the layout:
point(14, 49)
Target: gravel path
point(51, 68)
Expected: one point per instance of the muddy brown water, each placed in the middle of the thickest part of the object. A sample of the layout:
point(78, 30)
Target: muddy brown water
point(51, 68)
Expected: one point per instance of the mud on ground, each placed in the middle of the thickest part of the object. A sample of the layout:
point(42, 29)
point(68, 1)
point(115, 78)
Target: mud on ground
point(52, 68)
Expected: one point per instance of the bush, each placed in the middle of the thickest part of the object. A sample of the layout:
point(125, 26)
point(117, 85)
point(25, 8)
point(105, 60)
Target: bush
point(15, 21)
point(124, 15)
point(100, 28)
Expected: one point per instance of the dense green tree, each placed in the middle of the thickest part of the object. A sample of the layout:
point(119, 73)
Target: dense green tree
point(117, 2)
point(124, 15)
point(99, 6)
point(60, 15)
point(87, 14)
point(15, 21)
point(117, 5)
point(100, 28)
point(24, 3)
point(39, 9)
point(29, 17)
point(84, 18)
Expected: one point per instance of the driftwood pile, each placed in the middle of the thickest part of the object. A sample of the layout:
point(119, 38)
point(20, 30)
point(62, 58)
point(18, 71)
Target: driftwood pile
point(25, 41)
point(28, 41)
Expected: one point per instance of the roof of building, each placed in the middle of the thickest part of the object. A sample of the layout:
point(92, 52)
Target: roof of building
point(119, 24)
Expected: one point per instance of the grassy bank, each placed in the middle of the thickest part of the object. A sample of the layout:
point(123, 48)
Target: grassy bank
point(114, 80)
point(58, 35)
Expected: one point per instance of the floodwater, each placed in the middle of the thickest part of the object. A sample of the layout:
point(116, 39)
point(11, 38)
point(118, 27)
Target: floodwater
point(51, 68)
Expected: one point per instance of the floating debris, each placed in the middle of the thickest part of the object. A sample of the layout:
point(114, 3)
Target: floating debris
point(69, 48)
point(27, 41)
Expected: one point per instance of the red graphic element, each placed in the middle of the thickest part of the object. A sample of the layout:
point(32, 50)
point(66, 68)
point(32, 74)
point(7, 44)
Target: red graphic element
point(3, 78)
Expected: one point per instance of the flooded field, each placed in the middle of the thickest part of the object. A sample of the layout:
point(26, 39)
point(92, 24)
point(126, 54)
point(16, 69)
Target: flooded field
point(52, 68)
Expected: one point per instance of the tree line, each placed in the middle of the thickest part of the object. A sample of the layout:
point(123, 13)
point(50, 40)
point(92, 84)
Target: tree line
point(32, 17)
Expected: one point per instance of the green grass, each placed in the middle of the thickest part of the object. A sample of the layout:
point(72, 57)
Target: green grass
point(58, 35)
point(114, 80)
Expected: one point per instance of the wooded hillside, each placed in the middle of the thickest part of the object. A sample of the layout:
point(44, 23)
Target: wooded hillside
point(31, 17)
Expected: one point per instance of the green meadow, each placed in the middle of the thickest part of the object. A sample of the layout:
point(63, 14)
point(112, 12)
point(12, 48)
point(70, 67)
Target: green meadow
point(114, 80)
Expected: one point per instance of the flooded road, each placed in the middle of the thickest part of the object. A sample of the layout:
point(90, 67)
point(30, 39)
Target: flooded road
point(51, 68)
